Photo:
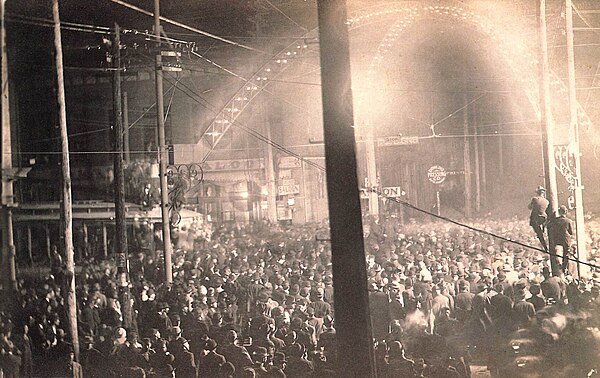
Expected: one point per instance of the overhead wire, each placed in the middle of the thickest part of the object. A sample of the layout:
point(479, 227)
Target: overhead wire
point(106, 30)
point(63, 27)
point(191, 93)
point(37, 21)
point(285, 15)
point(281, 148)
point(479, 230)
point(183, 26)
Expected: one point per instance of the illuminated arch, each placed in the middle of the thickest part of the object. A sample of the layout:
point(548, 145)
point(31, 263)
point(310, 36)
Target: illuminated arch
point(514, 43)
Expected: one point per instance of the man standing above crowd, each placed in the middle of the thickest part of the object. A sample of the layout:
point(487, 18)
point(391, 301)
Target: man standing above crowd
point(537, 218)
point(560, 233)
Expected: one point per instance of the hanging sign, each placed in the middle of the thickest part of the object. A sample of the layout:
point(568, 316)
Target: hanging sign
point(436, 174)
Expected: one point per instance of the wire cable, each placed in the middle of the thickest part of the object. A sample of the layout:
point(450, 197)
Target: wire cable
point(198, 31)
point(285, 15)
point(248, 130)
point(63, 27)
point(472, 228)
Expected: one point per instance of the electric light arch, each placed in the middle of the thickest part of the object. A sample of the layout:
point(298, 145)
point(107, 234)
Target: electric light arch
point(515, 43)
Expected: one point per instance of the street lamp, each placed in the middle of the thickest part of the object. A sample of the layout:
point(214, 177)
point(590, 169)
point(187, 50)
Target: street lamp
point(179, 180)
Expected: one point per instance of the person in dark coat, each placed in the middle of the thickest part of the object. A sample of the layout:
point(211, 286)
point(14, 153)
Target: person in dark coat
point(553, 288)
point(321, 307)
point(297, 365)
point(235, 353)
point(536, 299)
point(90, 317)
point(537, 218)
point(10, 361)
point(398, 364)
point(91, 359)
point(111, 315)
point(210, 363)
point(184, 364)
point(560, 234)
point(162, 361)
point(463, 303)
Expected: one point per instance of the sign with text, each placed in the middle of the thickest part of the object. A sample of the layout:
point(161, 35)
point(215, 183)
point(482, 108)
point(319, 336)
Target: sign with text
point(398, 140)
point(436, 174)
point(388, 191)
point(233, 165)
point(392, 191)
point(283, 190)
point(289, 162)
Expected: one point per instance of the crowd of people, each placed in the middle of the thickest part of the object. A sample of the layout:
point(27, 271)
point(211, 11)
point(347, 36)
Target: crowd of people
point(257, 300)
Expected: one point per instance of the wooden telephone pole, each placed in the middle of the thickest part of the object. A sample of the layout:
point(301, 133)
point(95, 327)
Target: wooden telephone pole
point(352, 320)
point(546, 126)
point(574, 141)
point(8, 271)
point(162, 151)
point(67, 213)
point(120, 216)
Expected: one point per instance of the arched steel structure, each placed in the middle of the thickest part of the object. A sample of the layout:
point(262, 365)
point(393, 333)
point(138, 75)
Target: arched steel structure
point(515, 43)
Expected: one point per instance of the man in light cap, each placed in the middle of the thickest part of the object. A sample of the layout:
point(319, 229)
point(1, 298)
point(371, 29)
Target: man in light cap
point(537, 219)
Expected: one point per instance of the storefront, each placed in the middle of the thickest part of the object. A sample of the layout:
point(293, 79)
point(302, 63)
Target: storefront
point(38, 228)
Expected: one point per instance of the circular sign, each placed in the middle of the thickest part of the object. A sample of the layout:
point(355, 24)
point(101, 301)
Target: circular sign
point(436, 174)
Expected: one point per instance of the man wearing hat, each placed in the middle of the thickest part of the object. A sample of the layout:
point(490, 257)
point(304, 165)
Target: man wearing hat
point(537, 219)
point(321, 307)
point(560, 233)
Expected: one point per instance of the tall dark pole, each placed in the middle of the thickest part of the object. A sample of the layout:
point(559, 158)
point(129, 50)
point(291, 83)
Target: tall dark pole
point(8, 269)
point(120, 218)
point(162, 152)
point(574, 141)
point(127, 156)
point(353, 324)
point(467, 158)
point(67, 213)
point(546, 127)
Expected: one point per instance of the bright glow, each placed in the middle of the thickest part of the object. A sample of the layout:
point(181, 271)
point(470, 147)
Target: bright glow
point(244, 195)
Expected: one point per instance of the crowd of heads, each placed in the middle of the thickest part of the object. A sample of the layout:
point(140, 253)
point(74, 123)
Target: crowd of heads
point(257, 300)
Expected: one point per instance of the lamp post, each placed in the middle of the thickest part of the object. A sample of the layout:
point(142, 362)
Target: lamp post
point(179, 179)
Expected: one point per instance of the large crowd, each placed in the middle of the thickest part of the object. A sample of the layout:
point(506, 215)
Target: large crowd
point(257, 300)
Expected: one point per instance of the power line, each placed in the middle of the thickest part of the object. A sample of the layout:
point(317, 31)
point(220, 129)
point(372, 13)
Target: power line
point(248, 130)
point(176, 23)
point(63, 27)
point(472, 228)
point(285, 15)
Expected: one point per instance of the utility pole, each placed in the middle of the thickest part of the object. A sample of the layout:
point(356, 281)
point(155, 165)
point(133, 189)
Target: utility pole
point(477, 168)
point(126, 127)
point(574, 141)
point(67, 213)
point(546, 127)
point(162, 151)
point(120, 217)
point(352, 319)
point(371, 169)
point(269, 164)
point(270, 173)
point(467, 158)
point(8, 271)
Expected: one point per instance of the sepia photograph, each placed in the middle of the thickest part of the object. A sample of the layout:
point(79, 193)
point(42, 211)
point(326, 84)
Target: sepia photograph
point(300, 188)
